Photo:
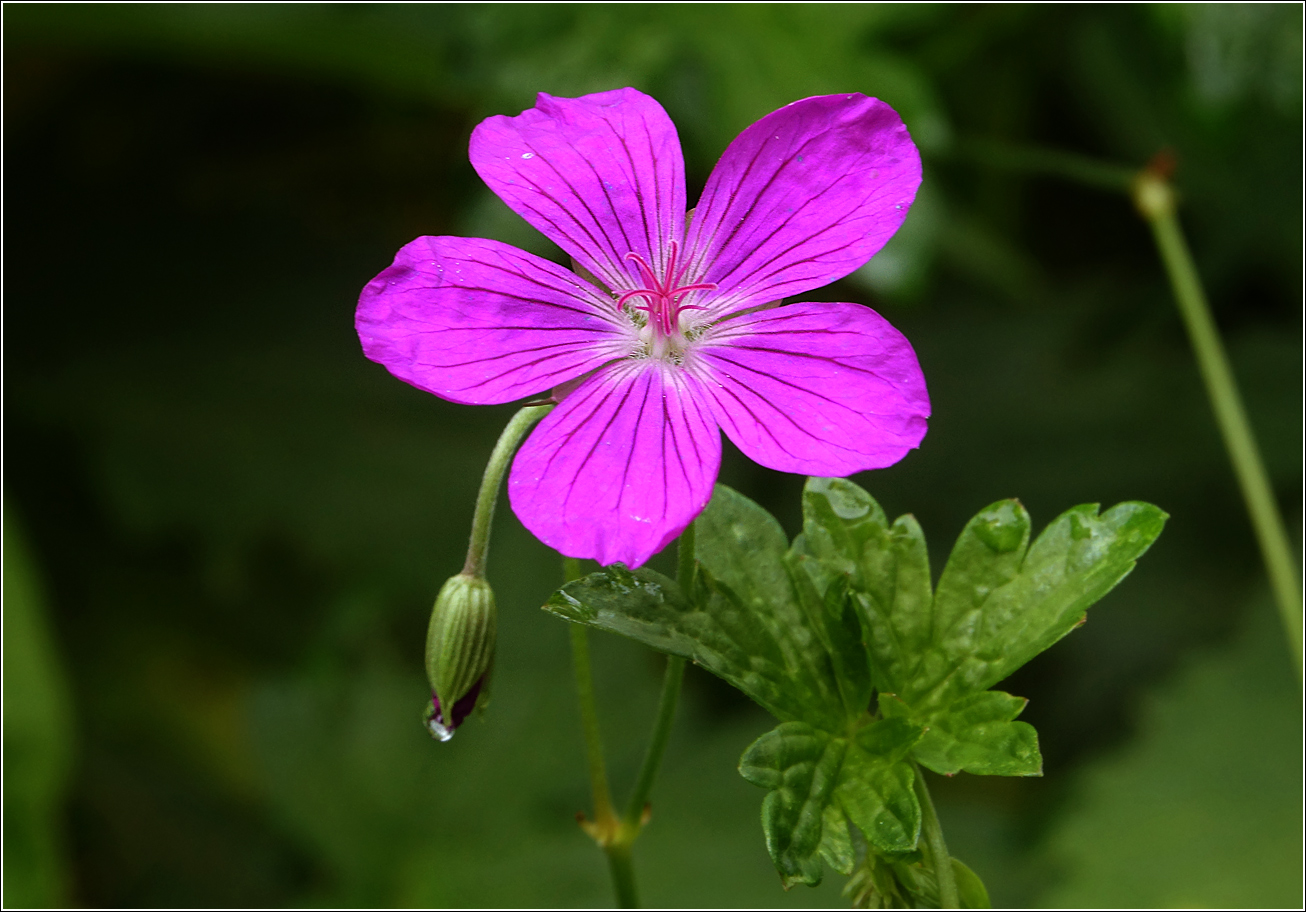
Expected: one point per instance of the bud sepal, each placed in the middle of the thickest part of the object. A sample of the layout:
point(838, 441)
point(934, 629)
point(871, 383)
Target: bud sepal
point(459, 652)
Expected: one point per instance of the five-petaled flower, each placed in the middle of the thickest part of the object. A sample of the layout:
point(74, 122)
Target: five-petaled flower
point(674, 331)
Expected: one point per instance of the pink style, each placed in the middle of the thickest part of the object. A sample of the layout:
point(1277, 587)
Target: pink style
point(676, 331)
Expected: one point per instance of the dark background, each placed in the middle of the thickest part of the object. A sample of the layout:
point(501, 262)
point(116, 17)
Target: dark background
point(224, 527)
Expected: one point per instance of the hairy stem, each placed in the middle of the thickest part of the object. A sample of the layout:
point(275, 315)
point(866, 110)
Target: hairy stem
point(589, 719)
point(478, 548)
point(605, 828)
point(1156, 201)
point(933, 833)
point(674, 677)
point(614, 835)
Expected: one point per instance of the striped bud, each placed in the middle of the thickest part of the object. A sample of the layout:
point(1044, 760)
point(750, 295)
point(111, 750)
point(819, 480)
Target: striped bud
point(459, 652)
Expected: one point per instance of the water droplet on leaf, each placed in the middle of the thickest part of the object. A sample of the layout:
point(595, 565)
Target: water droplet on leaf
point(1001, 528)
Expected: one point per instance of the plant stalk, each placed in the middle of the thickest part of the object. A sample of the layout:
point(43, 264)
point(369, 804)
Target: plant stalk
point(605, 829)
point(1156, 201)
point(671, 682)
point(478, 549)
point(614, 835)
point(933, 833)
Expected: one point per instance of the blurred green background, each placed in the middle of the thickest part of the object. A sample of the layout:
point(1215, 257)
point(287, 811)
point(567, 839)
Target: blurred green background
point(224, 527)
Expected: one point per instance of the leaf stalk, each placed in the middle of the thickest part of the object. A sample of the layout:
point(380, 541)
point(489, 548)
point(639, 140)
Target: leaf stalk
point(933, 833)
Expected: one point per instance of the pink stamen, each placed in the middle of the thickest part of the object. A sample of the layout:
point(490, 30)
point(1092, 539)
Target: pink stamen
point(663, 296)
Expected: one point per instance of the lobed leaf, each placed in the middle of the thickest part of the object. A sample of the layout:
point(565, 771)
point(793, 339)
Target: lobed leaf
point(800, 766)
point(1000, 601)
point(744, 622)
point(976, 734)
point(836, 842)
point(876, 794)
point(998, 604)
point(811, 631)
point(819, 783)
point(888, 566)
point(743, 550)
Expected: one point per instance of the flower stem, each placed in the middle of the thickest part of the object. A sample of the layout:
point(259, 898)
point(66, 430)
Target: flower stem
point(623, 874)
point(589, 719)
point(674, 677)
point(1056, 162)
point(614, 835)
point(1156, 201)
point(605, 828)
point(478, 548)
point(933, 833)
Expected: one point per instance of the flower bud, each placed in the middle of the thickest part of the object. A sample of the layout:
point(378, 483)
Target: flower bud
point(459, 652)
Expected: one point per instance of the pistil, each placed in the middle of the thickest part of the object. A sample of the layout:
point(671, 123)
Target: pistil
point(662, 297)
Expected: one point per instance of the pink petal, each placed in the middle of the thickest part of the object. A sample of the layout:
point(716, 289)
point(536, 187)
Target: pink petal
point(621, 466)
point(804, 196)
point(602, 176)
point(478, 322)
point(816, 389)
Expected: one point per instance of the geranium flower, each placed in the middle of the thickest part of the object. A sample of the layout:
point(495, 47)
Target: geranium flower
point(673, 330)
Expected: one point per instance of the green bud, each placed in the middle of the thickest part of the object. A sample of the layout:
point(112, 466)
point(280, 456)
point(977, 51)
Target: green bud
point(459, 651)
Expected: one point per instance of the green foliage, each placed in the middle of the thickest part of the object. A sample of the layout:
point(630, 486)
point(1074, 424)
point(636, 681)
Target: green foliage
point(810, 631)
point(999, 603)
point(818, 782)
point(881, 882)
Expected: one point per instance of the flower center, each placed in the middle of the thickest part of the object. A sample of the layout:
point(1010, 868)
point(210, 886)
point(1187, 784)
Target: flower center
point(662, 296)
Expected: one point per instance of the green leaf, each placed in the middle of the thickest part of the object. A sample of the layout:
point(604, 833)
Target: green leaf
point(800, 765)
point(845, 530)
point(997, 606)
point(1000, 602)
point(876, 794)
point(836, 622)
point(810, 631)
point(970, 889)
point(744, 623)
point(818, 783)
point(641, 604)
point(769, 660)
point(836, 842)
point(975, 734)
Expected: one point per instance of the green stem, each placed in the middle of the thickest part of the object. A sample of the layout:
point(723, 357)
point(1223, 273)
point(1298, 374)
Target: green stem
point(1156, 201)
point(623, 874)
point(589, 719)
point(671, 682)
point(1055, 162)
point(605, 828)
point(478, 548)
point(933, 833)
point(615, 836)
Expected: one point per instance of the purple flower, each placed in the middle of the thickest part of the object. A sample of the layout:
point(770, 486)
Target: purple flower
point(678, 331)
